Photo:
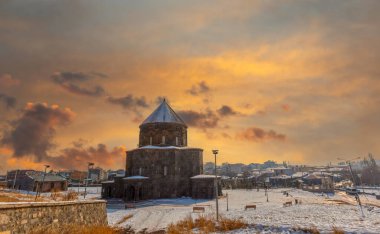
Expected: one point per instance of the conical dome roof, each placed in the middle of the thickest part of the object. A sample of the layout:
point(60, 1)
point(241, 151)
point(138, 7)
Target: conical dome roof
point(163, 114)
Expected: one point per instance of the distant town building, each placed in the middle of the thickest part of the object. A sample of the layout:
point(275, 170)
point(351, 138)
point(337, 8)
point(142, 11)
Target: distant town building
point(112, 174)
point(31, 180)
point(282, 171)
point(269, 164)
point(209, 168)
point(74, 177)
point(97, 175)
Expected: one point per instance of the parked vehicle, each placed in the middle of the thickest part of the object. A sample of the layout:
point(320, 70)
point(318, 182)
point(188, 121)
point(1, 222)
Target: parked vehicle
point(352, 191)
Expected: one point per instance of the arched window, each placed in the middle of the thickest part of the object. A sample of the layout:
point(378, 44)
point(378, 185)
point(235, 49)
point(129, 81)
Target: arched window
point(140, 171)
point(150, 140)
point(176, 140)
point(163, 139)
point(165, 170)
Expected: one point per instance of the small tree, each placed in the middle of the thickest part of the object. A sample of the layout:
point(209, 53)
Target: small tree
point(371, 171)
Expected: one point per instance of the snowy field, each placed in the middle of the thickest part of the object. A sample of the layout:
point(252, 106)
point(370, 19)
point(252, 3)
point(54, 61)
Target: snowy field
point(323, 212)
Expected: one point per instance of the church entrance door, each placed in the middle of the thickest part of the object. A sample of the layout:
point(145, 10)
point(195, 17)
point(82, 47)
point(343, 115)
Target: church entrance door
point(131, 193)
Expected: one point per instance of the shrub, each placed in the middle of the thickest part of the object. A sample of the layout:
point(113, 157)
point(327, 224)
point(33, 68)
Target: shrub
point(231, 224)
point(70, 196)
point(205, 224)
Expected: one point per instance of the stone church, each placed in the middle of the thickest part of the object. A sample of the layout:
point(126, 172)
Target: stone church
point(162, 166)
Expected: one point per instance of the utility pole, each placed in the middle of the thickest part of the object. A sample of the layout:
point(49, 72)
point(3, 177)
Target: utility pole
point(227, 200)
point(88, 175)
point(43, 180)
point(14, 180)
point(353, 181)
point(215, 152)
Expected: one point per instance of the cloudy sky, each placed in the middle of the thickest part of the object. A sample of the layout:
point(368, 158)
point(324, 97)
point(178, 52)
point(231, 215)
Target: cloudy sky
point(288, 80)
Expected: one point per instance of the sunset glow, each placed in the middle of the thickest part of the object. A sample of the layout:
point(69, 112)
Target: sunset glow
point(293, 81)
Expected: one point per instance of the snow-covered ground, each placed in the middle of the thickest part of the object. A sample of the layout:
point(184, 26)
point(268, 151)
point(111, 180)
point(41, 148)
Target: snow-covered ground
point(323, 212)
point(92, 192)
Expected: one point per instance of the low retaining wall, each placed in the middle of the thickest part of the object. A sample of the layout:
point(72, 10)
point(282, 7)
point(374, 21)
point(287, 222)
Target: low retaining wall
point(20, 217)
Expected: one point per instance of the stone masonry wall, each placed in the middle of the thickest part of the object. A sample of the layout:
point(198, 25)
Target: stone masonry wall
point(179, 165)
point(152, 133)
point(26, 217)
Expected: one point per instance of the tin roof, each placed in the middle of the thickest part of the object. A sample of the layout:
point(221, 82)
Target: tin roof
point(202, 176)
point(135, 178)
point(163, 114)
point(39, 176)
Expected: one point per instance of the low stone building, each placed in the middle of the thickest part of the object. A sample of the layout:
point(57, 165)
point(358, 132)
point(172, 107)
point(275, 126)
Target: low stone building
point(163, 165)
point(201, 186)
point(31, 180)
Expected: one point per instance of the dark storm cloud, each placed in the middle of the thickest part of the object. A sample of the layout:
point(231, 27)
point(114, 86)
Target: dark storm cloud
point(208, 118)
point(78, 156)
point(203, 120)
point(33, 132)
point(226, 111)
point(9, 102)
point(199, 88)
point(129, 102)
point(70, 82)
point(258, 134)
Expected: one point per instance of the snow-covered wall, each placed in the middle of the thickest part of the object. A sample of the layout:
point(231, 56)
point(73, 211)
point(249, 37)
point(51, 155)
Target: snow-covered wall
point(24, 217)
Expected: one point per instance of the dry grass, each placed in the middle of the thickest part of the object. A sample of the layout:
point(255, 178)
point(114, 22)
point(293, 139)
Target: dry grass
point(4, 198)
point(18, 197)
point(125, 218)
point(337, 231)
point(68, 196)
point(205, 224)
point(80, 229)
point(231, 224)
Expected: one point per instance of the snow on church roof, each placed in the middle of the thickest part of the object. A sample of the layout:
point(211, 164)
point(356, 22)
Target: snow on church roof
point(163, 114)
point(137, 177)
point(202, 176)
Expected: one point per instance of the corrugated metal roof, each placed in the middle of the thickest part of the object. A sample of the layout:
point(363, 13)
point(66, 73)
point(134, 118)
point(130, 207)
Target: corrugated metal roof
point(163, 114)
point(38, 176)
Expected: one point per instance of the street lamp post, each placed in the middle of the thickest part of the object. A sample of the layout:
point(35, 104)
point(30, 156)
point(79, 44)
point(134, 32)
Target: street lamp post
point(215, 152)
point(43, 181)
point(14, 180)
point(227, 200)
point(88, 175)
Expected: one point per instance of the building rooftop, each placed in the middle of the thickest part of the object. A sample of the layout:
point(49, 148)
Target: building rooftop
point(135, 178)
point(163, 114)
point(39, 176)
point(204, 177)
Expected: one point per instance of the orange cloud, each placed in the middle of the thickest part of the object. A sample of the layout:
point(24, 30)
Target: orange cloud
point(258, 134)
point(6, 81)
